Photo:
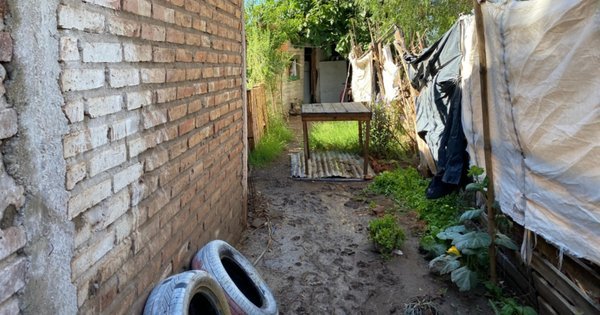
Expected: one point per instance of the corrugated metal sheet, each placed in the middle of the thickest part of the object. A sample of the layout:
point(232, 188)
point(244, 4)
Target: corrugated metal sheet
point(328, 166)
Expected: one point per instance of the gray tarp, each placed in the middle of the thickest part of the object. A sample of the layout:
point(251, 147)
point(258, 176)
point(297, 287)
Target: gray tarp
point(436, 73)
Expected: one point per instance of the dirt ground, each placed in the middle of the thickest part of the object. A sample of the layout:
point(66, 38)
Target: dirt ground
point(311, 243)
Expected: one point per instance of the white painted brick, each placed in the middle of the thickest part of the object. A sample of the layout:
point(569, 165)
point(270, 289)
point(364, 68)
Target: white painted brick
point(10, 307)
point(107, 159)
point(156, 75)
point(101, 106)
point(88, 198)
point(102, 52)
point(97, 136)
point(75, 173)
point(124, 128)
point(155, 117)
point(12, 278)
point(11, 240)
point(123, 227)
point(84, 140)
point(127, 176)
point(113, 4)
point(136, 146)
point(108, 211)
point(80, 19)
point(82, 79)
point(123, 77)
point(68, 49)
point(137, 53)
point(74, 110)
point(99, 246)
point(138, 99)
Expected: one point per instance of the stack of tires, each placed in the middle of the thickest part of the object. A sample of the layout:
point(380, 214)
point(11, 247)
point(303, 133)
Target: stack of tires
point(222, 281)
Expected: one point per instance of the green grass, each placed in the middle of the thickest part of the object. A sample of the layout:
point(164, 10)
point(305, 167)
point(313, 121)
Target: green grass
point(334, 136)
point(272, 144)
point(407, 188)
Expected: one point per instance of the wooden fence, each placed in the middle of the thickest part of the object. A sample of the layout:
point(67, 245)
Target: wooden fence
point(257, 114)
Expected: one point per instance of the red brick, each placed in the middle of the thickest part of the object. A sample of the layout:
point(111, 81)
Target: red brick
point(186, 126)
point(175, 36)
point(177, 112)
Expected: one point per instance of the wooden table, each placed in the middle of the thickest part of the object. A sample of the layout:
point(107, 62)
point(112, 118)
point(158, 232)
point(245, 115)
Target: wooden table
point(337, 112)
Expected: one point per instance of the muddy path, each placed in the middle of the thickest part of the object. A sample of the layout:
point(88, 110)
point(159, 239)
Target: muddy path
point(310, 241)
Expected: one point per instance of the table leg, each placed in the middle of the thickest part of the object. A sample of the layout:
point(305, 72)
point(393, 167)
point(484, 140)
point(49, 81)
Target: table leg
point(366, 148)
point(360, 136)
point(306, 149)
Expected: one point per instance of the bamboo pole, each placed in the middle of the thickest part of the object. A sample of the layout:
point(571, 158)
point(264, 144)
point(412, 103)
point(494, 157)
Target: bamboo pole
point(487, 147)
point(425, 157)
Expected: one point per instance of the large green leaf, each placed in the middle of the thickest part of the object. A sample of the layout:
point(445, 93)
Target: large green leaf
point(505, 241)
point(470, 215)
point(451, 232)
point(444, 264)
point(475, 187)
point(464, 278)
point(472, 240)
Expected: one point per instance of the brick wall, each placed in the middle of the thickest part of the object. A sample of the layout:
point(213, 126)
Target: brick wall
point(12, 234)
point(154, 152)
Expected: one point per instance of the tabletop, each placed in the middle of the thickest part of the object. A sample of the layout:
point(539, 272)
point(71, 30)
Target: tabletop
point(348, 110)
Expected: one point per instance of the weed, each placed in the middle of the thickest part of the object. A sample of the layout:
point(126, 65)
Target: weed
point(407, 187)
point(271, 144)
point(386, 234)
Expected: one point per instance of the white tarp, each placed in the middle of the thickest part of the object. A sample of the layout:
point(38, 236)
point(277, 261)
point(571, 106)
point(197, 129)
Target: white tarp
point(544, 88)
point(362, 77)
point(390, 75)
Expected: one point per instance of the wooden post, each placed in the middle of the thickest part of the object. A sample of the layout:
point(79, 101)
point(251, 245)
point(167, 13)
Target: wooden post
point(487, 146)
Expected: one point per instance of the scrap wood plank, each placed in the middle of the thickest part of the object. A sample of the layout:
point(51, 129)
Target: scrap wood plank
point(562, 284)
point(545, 308)
point(554, 298)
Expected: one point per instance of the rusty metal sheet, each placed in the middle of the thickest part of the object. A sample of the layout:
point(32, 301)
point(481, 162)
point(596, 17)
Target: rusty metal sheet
point(328, 165)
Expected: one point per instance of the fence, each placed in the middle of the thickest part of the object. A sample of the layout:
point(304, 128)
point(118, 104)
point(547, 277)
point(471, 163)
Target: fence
point(257, 114)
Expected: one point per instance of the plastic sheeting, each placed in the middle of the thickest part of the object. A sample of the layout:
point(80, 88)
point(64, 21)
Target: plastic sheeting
point(390, 75)
point(363, 88)
point(544, 84)
point(436, 73)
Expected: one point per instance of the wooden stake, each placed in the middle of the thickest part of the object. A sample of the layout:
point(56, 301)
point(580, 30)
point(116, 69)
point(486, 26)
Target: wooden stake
point(487, 146)
point(425, 157)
